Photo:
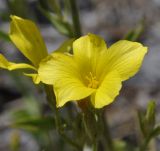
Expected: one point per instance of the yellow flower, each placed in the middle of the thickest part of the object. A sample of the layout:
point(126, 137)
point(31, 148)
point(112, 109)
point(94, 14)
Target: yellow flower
point(93, 70)
point(27, 38)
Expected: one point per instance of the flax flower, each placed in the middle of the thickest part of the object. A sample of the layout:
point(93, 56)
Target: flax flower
point(93, 70)
point(27, 38)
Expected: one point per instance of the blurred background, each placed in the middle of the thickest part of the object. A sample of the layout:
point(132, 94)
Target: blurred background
point(111, 19)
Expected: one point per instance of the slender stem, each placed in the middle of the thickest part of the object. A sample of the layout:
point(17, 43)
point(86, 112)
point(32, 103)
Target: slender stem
point(71, 142)
point(50, 97)
point(108, 137)
point(95, 146)
point(91, 126)
point(75, 18)
point(52, 104)
point(145, 144)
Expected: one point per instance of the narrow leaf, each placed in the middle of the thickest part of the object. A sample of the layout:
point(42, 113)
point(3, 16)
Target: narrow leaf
point(59, 23)
point(41, 123)
point(135, 33)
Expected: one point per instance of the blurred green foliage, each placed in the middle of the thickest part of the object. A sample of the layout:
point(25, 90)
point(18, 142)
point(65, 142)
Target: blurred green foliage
point(148, 125)
point(136, 33)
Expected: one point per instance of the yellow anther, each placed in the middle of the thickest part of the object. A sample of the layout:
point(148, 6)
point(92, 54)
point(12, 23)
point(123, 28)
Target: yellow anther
point(92, 81)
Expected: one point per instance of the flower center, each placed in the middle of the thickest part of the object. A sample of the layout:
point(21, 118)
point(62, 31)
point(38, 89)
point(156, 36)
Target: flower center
point(92, 81)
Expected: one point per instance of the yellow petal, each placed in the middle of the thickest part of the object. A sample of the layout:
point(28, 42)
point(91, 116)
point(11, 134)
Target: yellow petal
point(61, 71)
point(56, 66)
point(126, 57)
point(70, 90)
point(35, 77)
point(4, 63)
point(66, 46)
point(27, 38)
point(87, 50)
point(107, 91)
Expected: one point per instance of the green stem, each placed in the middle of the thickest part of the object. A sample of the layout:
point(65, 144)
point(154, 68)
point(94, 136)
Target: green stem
point(52, 104)
point(50, 97)
point(71, 142)
point(95, 146)
point(91, 127)
point(145, 144)
point(107, 133)
point(75, 18)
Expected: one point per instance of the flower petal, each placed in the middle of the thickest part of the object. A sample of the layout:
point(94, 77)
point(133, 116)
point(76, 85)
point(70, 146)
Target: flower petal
point(87, 50)
point(27, 38)
point(4, 63)
point(57, 66)
point(66, 46)
point(35, 77)
point(61, 71)
point(126, 57)
point(108, 90)
point(70, 90)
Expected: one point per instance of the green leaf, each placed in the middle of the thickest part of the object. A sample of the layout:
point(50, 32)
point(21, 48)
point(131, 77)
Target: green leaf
point(31, 109)
point(21, 114)
point(147, 125)
point(135, 33)
point(141, 122)
point(67, 8)
point(55, 7)
point(150, 115)
point(147, 120)
point(51, 5)
point(32, 106)
point(35, 124)
point(59, 23)
point(155, 132)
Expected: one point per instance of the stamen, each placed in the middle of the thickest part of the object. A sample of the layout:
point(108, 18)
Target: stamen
point(92, 81)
